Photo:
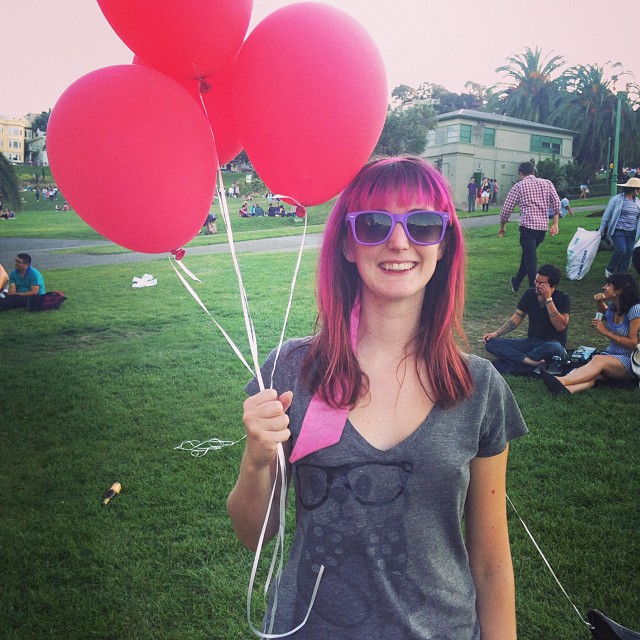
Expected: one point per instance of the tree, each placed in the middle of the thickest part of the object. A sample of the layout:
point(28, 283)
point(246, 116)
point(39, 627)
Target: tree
point(403, 94)
point(550, 169)
point(477, 92)
point(405, 130)
point(576, 172)
point(588, 104)
point(529, 89)
point(9, 190)
point(41, 121)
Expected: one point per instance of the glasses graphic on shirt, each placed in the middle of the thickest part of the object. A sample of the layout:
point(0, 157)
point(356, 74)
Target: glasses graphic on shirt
point(369, 483)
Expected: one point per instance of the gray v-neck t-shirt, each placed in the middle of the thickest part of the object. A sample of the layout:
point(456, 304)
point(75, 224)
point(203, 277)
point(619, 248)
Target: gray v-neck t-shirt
point(386, 525)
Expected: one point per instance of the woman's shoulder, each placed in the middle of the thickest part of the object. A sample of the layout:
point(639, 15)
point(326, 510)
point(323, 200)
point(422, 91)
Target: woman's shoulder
point(294, 350)
point(634, 312)
point(282, 367)
point(297, 343)
point(491, 394)
point(482, 370)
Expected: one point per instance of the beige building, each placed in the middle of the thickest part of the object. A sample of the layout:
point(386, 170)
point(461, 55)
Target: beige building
point(469, 143)
point(15, 134)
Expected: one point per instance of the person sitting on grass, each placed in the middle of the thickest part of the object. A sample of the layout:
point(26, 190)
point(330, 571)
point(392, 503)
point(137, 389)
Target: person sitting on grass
point(565, 206)
point(620, 301)
point(25, 283)
point(548, 311)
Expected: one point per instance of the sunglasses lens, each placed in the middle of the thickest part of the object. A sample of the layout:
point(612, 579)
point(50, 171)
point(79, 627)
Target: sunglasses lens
point(372, 227)
point(424, 227)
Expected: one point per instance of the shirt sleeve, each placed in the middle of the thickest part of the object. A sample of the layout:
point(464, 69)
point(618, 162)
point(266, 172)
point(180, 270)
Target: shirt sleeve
point(563, 305)
point(502, 421)
point(634, 312)
point(523, 303)
point(606, 215)
point(554, 199)
point(39, 281)
point(512, 199)
point(280, 376)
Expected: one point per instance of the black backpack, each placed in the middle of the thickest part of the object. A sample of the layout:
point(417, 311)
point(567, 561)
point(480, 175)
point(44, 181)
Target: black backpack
point(47, 301)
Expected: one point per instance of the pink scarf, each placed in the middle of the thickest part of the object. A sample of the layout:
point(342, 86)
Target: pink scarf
point(323, 425)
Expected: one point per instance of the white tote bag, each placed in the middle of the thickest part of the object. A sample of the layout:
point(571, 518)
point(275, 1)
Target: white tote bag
point(635, 362)
point(581, 252)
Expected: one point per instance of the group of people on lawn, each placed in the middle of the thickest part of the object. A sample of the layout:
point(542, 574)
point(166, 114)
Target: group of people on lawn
point(618, 305)
point(547, 308)
point(389, 435)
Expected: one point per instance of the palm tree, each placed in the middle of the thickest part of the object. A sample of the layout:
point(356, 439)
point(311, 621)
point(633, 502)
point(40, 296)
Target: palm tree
point(529, 89)
point(9, 191)
point(587, 103)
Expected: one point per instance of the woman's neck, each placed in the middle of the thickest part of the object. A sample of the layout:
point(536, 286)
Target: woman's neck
point(390, 327)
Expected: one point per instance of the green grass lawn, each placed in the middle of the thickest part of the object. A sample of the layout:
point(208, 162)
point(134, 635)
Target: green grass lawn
point(105, 389)
point(39, 219)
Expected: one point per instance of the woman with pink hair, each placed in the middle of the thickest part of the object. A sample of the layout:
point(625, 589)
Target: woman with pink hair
point(393, 435)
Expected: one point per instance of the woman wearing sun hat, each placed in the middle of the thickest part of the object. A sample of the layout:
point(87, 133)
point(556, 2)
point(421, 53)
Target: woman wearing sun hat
point(621, 224)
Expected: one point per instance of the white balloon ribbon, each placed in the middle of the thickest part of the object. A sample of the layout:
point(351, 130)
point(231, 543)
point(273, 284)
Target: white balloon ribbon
point(201, 448)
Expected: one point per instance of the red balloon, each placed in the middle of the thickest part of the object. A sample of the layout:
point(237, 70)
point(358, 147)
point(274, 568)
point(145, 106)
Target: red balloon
point(317, 101)
point(134, 156)
point(218, 102)
point(214, 95)
point(183, 38)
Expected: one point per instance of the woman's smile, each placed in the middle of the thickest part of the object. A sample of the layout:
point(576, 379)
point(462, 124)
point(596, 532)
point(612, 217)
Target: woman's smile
point(397, 266)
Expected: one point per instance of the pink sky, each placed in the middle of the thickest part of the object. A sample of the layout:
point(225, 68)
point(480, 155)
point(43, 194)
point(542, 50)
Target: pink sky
point(46, 45)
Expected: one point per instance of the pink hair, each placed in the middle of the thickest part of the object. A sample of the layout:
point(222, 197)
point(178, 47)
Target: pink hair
point(331, 367)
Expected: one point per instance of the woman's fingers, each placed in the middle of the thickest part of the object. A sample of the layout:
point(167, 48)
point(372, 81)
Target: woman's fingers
point(266, 423)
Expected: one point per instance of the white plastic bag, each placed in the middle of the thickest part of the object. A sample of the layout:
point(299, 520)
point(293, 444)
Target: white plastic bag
point(581, 252)
point(635, 361)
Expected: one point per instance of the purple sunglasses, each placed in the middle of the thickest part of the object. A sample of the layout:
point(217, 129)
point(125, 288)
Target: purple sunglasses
point(371, 228)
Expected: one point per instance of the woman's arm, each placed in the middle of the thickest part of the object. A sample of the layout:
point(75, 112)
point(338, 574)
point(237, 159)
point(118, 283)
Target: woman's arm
point(487, 541)
point(606, 215)
point(267, 425)
point(629, 342)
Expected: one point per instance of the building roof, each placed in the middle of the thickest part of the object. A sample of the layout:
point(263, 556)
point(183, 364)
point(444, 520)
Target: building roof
point(496, 118)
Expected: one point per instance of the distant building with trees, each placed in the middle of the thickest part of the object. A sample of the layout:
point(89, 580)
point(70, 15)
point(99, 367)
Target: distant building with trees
point(23, 138)
point(469, 143)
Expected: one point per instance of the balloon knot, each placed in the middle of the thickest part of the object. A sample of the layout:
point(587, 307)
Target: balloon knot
point(205, 86)
point(178, 254)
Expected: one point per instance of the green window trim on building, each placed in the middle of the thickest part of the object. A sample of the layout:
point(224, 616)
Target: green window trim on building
point(488, 137)
point(465, 133)
point(546, 144)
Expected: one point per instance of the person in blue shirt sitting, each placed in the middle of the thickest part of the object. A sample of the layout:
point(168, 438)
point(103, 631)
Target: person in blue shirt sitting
point(25, 283)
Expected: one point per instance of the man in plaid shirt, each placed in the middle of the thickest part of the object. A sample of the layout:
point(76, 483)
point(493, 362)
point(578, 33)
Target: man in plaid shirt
point(537, 199)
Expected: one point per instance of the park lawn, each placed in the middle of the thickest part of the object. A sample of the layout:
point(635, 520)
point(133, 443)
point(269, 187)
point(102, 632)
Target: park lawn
point(203, 240)
point(39, 219)
point(105, 389)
